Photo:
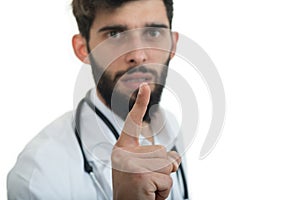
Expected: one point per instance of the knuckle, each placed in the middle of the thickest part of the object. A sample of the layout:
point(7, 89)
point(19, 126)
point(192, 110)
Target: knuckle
point(174, 156)
point(121, 160)
point(174, 153)
point(127, 164)
point(170, 168)
point(161, 149)
point(140, 179)
point(116, 155)
point(166, 167)
point(175, 160)
point(169, 181)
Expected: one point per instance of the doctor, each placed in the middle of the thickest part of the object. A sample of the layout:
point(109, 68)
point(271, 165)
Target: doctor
point(105, 150)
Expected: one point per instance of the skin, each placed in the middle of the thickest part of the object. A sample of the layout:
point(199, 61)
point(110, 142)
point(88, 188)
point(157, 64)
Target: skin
point(139, 172)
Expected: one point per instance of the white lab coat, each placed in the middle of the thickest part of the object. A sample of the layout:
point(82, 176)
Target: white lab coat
point(51, 165)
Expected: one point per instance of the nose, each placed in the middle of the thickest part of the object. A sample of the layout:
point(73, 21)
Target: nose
point(137, 54)
point(136, 57)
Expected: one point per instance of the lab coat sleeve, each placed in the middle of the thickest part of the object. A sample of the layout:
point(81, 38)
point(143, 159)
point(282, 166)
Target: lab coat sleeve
point(51, 168)
point(18, 186)
point(34, 174)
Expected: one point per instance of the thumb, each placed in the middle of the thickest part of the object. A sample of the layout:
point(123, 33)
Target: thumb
point(133, 123)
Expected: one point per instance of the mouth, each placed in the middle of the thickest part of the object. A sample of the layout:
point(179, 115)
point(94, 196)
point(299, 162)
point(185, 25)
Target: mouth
point(133, 81)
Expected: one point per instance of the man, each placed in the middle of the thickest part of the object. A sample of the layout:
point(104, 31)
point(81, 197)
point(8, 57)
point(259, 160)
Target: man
point(128, 45)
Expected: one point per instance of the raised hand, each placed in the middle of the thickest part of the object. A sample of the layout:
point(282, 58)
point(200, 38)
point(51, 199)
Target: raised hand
point(141, 172)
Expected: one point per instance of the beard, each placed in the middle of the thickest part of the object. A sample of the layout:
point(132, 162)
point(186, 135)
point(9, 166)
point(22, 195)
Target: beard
point(121, 103)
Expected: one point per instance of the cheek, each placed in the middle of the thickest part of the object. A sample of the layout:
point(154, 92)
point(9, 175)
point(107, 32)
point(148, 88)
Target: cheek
point(158, 56)
point(115, 67)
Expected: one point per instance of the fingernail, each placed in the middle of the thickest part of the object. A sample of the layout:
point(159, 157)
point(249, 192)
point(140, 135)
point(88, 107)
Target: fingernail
point(140, 87)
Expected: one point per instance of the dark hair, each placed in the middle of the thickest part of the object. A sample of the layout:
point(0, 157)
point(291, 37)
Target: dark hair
point(85, 11)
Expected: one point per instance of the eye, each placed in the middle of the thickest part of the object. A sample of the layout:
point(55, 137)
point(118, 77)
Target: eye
point(114, 34)
point(154, 32)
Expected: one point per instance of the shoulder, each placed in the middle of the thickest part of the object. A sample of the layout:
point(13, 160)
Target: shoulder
point(51, 140)
point(44, 164)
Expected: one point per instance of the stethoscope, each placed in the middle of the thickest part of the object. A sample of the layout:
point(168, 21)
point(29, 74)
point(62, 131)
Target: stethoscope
point(88, 168)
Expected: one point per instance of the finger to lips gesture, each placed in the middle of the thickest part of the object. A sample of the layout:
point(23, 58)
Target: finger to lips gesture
point(141, 172)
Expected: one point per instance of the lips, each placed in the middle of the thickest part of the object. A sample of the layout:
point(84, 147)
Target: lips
point(133, 81)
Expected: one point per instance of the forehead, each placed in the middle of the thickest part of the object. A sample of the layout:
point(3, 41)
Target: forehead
point(133, 14)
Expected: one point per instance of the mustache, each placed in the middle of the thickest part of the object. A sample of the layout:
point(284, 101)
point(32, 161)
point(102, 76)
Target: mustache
point(141, 69)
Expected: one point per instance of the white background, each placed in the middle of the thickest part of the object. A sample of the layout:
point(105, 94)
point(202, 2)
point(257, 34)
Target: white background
point(256, 48)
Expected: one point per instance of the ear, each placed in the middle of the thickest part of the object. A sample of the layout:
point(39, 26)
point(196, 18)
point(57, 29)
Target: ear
point(175, 37)
point(80, 48)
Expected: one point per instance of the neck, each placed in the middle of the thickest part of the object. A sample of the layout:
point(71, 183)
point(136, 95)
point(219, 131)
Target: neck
point(102, 99)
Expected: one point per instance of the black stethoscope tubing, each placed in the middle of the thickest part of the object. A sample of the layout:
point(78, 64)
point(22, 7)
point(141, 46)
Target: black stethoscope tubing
point(87, 167)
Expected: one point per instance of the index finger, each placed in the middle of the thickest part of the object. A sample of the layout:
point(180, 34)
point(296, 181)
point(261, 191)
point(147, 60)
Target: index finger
point(133, 123)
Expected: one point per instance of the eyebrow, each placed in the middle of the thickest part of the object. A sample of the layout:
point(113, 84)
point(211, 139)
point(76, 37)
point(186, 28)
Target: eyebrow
point(112, 28)
point(156, 25)
point(118, 27)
